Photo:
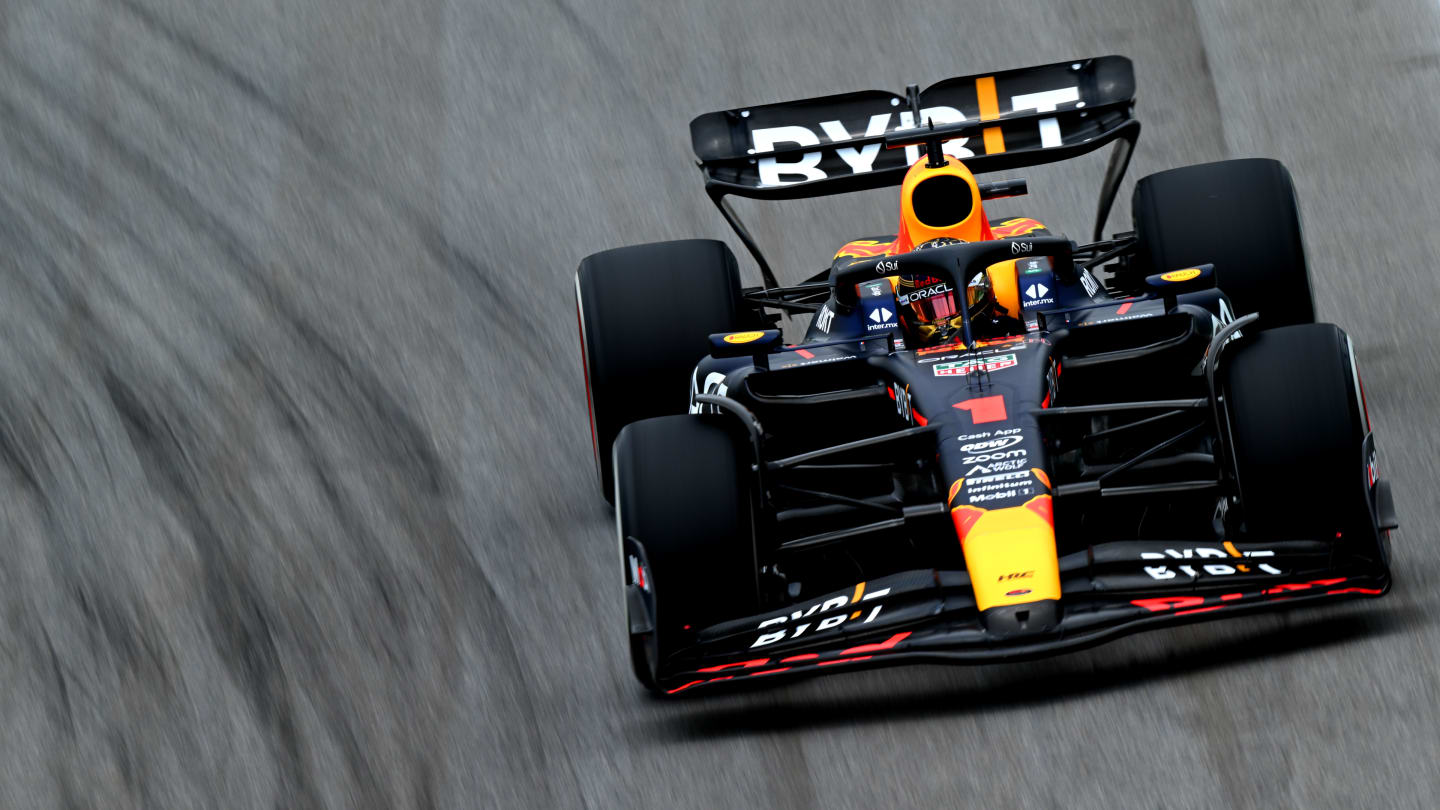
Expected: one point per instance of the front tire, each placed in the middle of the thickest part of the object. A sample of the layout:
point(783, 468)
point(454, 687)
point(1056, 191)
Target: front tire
point(683, 514)
point(1297, 428)
point(1240, 215)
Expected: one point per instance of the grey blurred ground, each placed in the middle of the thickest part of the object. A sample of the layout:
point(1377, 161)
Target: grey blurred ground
point(296, 506)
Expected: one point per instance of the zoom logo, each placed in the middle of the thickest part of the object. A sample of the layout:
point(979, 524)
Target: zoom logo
point(1000, 456)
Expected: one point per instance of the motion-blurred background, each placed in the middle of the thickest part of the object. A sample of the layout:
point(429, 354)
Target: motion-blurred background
point(297, 506)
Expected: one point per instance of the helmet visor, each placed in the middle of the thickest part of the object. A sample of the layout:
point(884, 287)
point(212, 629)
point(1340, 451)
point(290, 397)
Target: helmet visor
point(927, 299)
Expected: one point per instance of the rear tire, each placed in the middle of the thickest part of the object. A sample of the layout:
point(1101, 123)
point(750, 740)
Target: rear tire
point(646, 313)
point(1297, 426)
point(1240, 215)
point(683, 510)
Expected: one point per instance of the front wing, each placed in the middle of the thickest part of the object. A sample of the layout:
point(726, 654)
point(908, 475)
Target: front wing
point(929, 616)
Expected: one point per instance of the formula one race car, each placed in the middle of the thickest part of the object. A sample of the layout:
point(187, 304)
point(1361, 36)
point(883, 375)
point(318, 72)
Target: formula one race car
point(979, 451)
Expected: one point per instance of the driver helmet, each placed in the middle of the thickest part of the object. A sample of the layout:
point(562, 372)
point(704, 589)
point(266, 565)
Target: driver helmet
point(930, 309)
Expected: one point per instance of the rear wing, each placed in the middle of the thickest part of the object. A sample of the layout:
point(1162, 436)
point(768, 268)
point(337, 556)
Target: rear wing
point(836, 144)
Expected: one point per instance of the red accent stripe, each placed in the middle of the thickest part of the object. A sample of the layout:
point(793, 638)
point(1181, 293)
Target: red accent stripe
point(805, 354)
point(1290, 586)
point(683, 688)
point(869, 648)
point(1301, 586)
point(1371, 591)
point(964, 517)
point(1363, 403)
point(641, 570)
point(1198, 610)
point(919, 418)
point(1230, 596)
point(758, 662)
point(1124, 308)
point(948, 347)
point(585, 365)
point(1163, 603)
point(891, 392)
point(846, 660)
point(1042, 506)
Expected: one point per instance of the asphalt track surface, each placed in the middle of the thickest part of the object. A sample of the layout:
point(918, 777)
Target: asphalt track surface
point(296, 500)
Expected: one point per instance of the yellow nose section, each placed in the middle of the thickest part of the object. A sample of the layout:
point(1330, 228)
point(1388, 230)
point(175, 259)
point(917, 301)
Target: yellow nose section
point(1010, 552)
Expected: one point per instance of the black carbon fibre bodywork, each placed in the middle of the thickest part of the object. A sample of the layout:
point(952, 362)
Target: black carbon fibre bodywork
point(1110, 403)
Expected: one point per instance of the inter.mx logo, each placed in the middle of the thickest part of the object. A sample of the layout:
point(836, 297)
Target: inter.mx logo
point(964, 367)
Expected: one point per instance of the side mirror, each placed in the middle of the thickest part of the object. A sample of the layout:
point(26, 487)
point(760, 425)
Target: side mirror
point(1174, 282)
point(744, 344)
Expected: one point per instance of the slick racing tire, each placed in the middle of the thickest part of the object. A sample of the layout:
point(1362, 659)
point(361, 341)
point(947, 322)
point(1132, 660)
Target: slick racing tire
point(683, 514)
point(1241, 216)
point(1296, 425)
point(646, 313)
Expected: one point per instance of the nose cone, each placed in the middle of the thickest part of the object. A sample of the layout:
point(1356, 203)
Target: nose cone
point(941, 201)
point(1016, 621)
point(1014, 569)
